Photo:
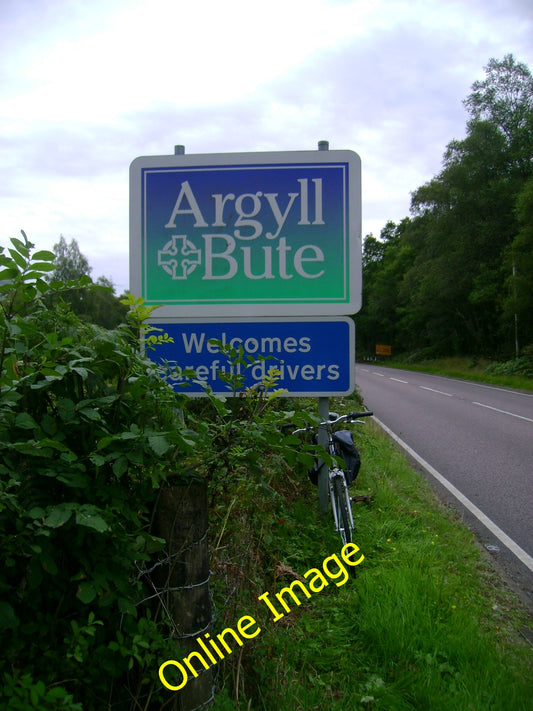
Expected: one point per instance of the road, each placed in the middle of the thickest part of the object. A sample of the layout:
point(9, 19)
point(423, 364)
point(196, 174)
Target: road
point(479, 439)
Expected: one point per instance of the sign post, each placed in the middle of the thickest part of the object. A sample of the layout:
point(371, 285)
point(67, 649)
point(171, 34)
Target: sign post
point(323, 412)
point(266, 246)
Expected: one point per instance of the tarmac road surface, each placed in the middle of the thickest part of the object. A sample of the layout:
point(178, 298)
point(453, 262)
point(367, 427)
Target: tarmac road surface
point(475, 444)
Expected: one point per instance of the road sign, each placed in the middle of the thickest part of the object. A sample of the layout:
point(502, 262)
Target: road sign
point(383, 350)
point(314, 357)
point(247, 234)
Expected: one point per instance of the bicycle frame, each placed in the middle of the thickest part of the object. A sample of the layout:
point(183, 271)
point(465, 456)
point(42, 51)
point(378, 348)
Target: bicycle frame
point(338, 475)
point(337, 484)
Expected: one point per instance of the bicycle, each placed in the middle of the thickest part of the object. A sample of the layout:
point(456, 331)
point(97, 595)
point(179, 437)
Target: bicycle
point(340, 443)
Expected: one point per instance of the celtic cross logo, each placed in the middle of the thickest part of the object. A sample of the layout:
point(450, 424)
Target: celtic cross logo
point(179, 257)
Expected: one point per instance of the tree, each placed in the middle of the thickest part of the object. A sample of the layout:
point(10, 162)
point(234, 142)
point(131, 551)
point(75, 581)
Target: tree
point(469, 215)
point(100, 305)
point(372, 251)
point(518, 300)
point(451, 279)
point(70, 264)
point(468, 221)
point(504, 98)
point(384, 264)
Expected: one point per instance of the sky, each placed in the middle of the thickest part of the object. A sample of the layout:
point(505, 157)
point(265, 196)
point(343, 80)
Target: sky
point(86, 86)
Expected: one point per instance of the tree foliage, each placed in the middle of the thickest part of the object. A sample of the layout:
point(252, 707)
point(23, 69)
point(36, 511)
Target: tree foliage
point(71, 267)
point(504, 99)
point(457, 272)
point(69, 262)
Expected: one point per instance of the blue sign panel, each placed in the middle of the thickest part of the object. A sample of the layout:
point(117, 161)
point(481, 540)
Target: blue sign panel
point(247, 234)
point(307, 357)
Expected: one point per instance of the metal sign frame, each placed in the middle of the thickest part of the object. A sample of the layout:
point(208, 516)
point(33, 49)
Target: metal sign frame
point(314, 357)
point(247, 234)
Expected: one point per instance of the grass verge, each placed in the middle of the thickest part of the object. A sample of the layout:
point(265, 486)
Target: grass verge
point(427, 623)
point(467, 369)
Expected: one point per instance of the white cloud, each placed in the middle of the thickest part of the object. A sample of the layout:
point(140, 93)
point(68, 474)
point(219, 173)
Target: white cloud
point(88, 85)
point(198, 53)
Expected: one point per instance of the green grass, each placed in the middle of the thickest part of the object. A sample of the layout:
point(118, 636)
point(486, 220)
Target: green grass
point(467, 369)
point(426, 624)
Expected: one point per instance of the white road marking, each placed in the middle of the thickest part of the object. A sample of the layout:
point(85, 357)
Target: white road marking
point(381, 375)
point(504, 412)
point(435, 391)
point(398, 380)
point(499, 388)
point(520, 553)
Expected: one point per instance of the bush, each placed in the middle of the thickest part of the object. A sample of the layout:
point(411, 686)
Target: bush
point(517, 366)
point(89, 432)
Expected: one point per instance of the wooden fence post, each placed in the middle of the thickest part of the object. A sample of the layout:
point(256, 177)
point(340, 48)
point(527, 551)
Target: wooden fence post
point(181, 518)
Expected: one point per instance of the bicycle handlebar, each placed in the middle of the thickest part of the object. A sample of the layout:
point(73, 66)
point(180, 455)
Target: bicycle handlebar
point(346, 418)
point(334, 420)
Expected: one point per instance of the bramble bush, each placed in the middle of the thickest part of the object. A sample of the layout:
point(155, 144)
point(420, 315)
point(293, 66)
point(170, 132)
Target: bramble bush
point(89, 432)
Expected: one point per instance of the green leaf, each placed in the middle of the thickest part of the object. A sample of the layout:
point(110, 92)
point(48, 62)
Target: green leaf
point(86, 592)
point(17, 258)
point(82, 372)
point(159, 444)
point(126, 607)
point(97, 459)
point(59, 515)
point(91, 414)
point(8, 618)
point(22, 247)
point(29, 292)
point(40, 384)
point(86, 516)
point(41, 267)
point(48, 424)
point(36, 512)
point(104, 442)
point(25, 421)
point(44, 255)
point(8, 274)
point(77, 480)
point(49, 564)
point(42, 286)
point(66, 410)
point(44, 443)
point(120, 466)
point(34, 696)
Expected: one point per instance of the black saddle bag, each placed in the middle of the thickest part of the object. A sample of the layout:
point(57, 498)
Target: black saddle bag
point(347, 450)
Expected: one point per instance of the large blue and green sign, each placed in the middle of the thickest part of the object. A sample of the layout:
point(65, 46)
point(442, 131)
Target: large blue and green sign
point(261, 234)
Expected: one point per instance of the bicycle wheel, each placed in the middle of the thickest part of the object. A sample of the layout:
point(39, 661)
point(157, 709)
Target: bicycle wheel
point(341, 508)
